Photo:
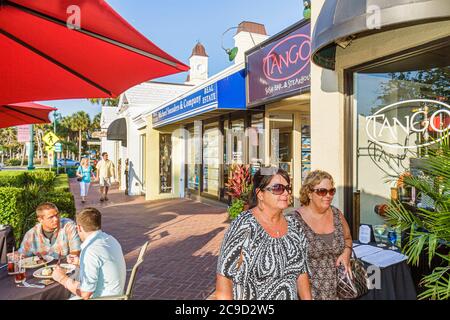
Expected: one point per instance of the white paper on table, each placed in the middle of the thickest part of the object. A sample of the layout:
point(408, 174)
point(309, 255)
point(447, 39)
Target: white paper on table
point(364, 250)
point(355, 244)
point(384, 258)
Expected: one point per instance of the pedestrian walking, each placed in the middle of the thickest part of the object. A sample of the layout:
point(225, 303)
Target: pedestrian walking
point(84, 174)
point(105, 172)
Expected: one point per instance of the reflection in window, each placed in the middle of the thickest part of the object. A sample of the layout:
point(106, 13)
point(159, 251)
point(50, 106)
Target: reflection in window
point(392, 138)
point(256, 141)
point(281, 128)
point(193, 173)
point(165, 163)
point(237, 141)
point(211, 136)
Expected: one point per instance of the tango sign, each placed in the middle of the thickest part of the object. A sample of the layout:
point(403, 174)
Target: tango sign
point(418, 116)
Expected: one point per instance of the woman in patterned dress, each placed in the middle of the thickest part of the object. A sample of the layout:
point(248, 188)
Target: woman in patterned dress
point(327, 232)
point(263, 253)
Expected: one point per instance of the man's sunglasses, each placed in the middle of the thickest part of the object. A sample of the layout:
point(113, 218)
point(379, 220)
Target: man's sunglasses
point(278, 189)
point(323, 192)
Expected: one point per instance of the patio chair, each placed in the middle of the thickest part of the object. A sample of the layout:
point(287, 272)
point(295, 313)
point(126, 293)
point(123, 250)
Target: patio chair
point(129, 292)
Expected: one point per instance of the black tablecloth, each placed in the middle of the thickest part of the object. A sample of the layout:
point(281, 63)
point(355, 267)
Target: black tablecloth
point(10, 291)
point(6, 243)
point(396, 284)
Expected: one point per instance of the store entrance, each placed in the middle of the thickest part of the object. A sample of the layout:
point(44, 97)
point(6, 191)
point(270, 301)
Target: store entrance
point(281, 141)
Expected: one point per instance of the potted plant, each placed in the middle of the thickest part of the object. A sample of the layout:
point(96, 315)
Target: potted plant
point(239, 187)
point(427, 228)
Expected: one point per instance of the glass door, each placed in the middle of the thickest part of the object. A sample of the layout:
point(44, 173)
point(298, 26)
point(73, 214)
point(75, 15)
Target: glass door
point(211, 168)
point(281, 140)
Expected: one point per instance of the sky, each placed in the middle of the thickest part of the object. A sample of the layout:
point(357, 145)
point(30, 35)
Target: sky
point(176, 25)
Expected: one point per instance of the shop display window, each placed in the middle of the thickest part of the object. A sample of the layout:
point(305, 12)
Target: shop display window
point(165, 163)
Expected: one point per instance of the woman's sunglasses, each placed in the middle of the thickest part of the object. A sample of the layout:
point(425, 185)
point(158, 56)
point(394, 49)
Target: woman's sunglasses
point(278, 189)
point(323, 192)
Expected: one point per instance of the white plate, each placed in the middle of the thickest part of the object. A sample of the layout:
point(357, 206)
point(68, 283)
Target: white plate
point(29, 263)
point(69, 269)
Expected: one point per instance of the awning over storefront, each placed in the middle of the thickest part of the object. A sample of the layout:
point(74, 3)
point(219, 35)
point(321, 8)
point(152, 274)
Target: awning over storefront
point(227, 93)
point(340, 21)
point(117, 130)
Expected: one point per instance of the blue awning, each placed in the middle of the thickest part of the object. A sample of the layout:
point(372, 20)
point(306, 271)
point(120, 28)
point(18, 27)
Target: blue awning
point(225, 94)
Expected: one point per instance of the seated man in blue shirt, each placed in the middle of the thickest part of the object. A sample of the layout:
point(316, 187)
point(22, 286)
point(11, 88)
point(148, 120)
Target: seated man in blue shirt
point(102, 265)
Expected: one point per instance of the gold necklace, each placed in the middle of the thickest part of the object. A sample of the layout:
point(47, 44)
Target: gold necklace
point(269, 225)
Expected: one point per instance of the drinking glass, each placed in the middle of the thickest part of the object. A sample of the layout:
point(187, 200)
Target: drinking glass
point(379, 230)
point(11, 263)
point(392, 237)
point(20, 275)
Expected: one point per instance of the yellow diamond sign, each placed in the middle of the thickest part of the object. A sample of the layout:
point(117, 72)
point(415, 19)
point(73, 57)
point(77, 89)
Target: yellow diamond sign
point(49, 148)
point(50, 138)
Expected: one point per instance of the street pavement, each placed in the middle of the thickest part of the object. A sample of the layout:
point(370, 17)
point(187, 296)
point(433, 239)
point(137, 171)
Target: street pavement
point(185, 237)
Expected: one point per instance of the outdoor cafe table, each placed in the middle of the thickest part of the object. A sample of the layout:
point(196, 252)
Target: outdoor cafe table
point(396, 282)
point(10, 291)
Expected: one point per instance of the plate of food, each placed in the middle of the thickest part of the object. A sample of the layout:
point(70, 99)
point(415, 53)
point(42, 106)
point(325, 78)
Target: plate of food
point(46, 272)
point(36, 261)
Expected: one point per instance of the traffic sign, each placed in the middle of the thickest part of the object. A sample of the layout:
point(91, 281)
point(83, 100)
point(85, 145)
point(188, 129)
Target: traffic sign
point(50, 138)
point(58, 147)
point(49, 148)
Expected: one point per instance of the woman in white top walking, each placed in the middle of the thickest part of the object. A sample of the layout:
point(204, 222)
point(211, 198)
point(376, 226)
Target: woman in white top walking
point(84, 174)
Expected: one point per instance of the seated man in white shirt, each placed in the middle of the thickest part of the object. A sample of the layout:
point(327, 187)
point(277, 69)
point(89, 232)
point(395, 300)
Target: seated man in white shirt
point(102, 265)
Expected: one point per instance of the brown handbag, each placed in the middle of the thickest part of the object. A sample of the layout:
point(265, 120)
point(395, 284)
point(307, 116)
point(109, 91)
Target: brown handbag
point(358, 285)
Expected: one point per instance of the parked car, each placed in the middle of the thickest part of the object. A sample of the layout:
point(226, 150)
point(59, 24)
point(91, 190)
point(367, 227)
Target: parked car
point(64, 162)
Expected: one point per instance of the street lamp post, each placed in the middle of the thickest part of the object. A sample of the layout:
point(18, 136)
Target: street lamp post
point(31, 150)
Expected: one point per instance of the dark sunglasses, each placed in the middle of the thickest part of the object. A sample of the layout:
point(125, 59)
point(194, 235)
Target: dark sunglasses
point(278, 189)
point(323, 192)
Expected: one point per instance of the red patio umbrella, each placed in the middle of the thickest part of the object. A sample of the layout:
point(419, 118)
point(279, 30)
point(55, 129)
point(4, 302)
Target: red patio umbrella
point(24, 113)
point(41, 58)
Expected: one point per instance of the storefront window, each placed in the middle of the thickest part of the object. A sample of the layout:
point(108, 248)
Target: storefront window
point(256, 141)
point(400, 117)
point(306, 146)
point(194, 157)
point(237, 135)
point(211, 137)
point(165, 163)
point(281, 129)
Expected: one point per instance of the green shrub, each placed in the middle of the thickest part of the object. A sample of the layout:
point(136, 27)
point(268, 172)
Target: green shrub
point(61, 183)
point(15, 162)
point(237, 206)
point(18, 205)
point(21, 179)
point(12, 179)
point(71, 171)
point(64, 201)
point(11, 209)
point(44, 179)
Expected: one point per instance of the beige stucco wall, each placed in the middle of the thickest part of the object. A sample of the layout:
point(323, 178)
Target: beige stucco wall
point(326, 121)
point(327, 98)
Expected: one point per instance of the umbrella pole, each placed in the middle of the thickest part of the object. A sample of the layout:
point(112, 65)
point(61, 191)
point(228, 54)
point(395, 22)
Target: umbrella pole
point(31, 151)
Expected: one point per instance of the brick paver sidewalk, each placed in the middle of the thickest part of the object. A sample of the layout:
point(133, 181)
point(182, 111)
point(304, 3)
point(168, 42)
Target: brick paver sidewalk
point(184, 235)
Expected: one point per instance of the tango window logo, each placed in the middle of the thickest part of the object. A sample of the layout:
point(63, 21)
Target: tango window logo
point(402, 124)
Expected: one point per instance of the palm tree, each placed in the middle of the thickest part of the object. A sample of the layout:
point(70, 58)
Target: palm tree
point(96, 125)
point(8, 140)
point(428, 229)
point(65, 125)
point(81, 123)
point(110, 102)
